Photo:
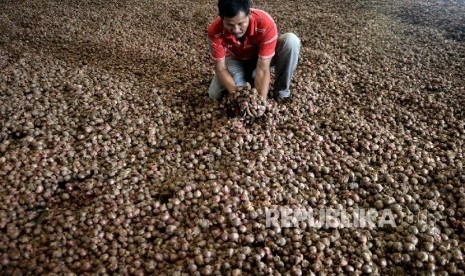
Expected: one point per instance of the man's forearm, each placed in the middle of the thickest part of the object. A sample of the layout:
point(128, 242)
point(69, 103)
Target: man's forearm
point(226, 79)
point(262, 82)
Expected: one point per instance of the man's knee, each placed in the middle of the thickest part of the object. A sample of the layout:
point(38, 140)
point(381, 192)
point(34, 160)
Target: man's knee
point(216, 90)
point(216, 94)
point(290, 41)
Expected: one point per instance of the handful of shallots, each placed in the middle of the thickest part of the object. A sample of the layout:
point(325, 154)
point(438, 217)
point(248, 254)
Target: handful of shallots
point(246, 103)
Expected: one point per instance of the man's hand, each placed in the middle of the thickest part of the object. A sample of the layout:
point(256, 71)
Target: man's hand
point(224, 76)
point(262, 77)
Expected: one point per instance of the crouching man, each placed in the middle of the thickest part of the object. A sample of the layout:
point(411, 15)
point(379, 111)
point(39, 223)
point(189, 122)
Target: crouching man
point(244, 44)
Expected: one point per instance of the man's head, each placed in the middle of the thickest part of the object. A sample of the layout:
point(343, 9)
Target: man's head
point(235, 15)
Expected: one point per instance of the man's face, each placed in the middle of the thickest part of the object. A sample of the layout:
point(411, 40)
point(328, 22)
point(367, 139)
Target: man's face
point(236, 25)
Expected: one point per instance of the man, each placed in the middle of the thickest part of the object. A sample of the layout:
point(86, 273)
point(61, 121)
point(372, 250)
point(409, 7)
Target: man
point(244, 43)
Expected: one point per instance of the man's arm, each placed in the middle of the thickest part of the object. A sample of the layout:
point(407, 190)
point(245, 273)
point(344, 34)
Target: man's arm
point(224, 76)
point(262, 77)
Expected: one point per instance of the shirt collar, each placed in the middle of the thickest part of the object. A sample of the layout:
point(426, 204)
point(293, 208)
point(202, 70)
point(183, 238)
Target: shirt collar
point(252, 24)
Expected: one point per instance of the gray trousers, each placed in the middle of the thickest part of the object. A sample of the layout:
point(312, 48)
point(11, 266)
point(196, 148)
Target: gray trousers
point(284, 63)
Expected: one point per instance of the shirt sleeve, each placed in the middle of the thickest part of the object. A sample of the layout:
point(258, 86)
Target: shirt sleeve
point(269, 40)
point(215, 42)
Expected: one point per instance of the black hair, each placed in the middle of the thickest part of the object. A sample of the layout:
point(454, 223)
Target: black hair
point(231, 8)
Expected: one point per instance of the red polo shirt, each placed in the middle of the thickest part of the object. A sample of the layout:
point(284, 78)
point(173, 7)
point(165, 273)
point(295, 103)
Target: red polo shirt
point(260, 39)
